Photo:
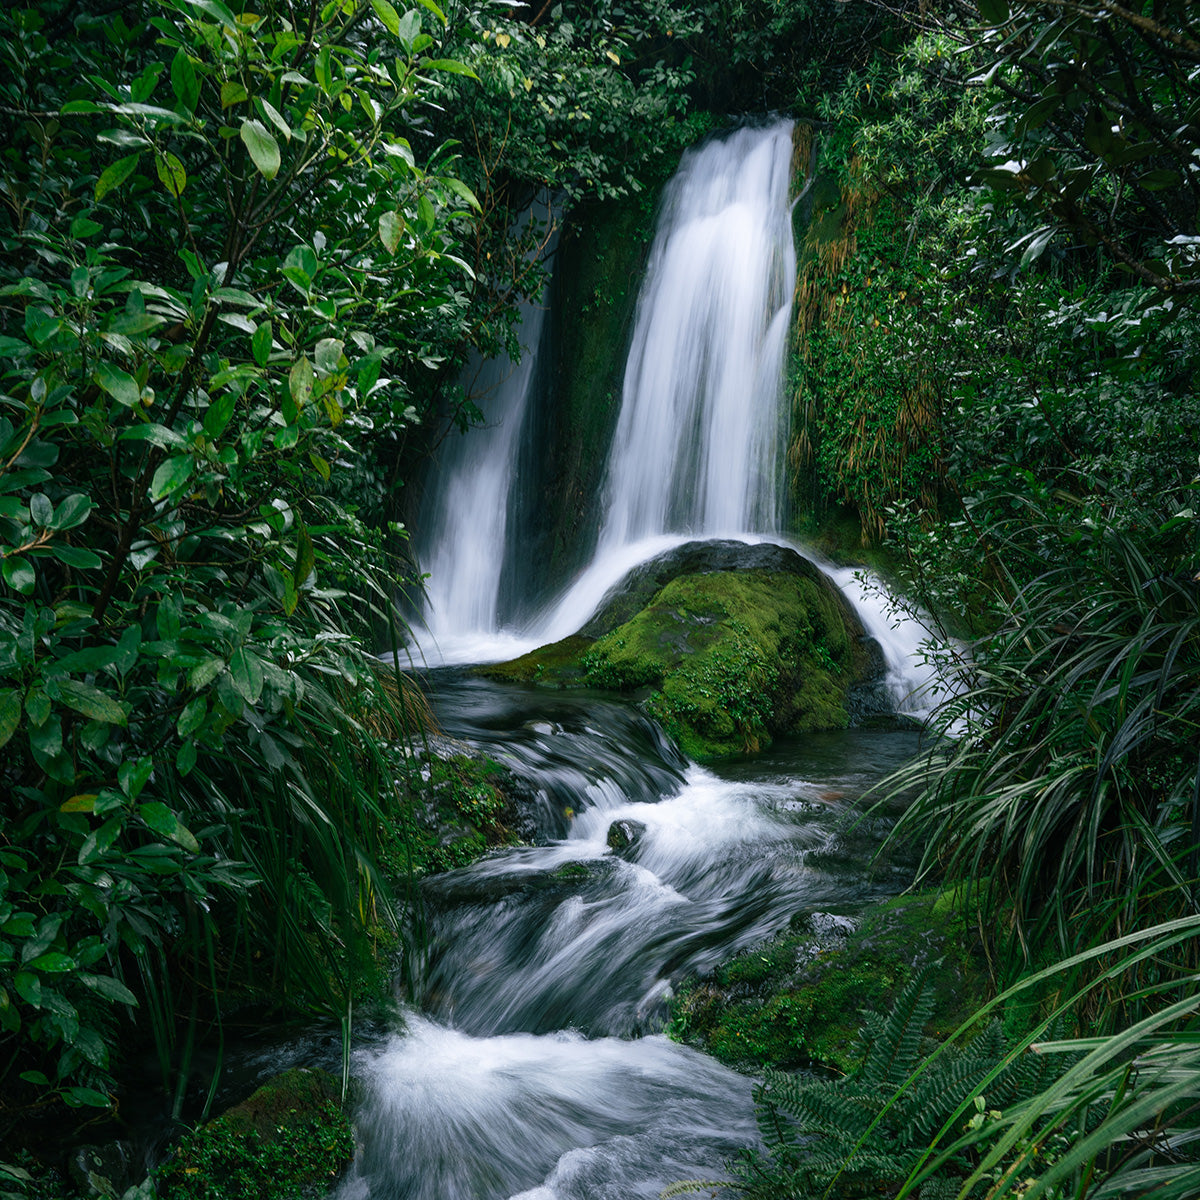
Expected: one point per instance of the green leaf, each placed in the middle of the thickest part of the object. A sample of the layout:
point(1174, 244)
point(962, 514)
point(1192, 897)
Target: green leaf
point(388, 15)
point(184, 81)
point(10, 713)
point(78, 558)
point(219, 413)
point(160, 435)
point(233, 93)
point(192, 716)
point(19, 575)
point(391, 229)
point(185, 757)
point(29, 988)
point(201, 675)
point(99, 841)
point(85, 1097)
point(305, 556)
point(273, 115)
point(449, 65)
point(328, 354)
point(426, 213)
point(263, 148)
point(120, 385)
point(459, 188)
point(994, 12)
point(109, 988)
point(433, 8)
point(247, 674)
point(72, 511)
point(162, 820)
point(260, 343)
point(171, 173)
point(300, 381)
point(171, 475)
point(133, 776)
point(95, 704)
point(52, 963)
point(115, 174)
point(41, 510)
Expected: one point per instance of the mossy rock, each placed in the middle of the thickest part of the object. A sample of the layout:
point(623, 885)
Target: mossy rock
point(799, 999)
point(289, 1140)
point(733, 646)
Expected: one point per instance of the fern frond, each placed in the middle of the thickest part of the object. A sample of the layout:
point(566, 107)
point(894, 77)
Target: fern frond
point(689, 1186)
point(895, 1050)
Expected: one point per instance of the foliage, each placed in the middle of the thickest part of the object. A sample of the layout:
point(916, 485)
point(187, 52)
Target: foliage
point(1092, 131)
point(797, 1000)
point(867, 1131)
point(290, 1139)
point(1070, 773)
point(218, 240)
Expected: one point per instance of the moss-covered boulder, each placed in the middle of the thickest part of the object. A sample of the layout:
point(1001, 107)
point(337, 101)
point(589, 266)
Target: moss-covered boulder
point(289, 1140)
point(731, 646)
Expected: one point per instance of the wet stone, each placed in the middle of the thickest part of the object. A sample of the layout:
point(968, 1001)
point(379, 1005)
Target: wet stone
point(623, 835)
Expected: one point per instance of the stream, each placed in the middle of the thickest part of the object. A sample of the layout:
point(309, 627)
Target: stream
point(532, 1062)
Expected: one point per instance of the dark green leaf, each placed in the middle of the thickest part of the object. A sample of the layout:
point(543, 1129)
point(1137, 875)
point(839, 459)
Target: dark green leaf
point(388, 15)
point(95, 704)
point(247, 675)
point(72, 511)
point(10, 713)
point(19, 575)
point(260, 343)
point(120, 385)
point(184, 81)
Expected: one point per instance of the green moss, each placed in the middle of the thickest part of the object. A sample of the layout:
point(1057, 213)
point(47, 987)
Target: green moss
point(457, 811)
point(736, 658)
point(559, 664)
point(798, 1000)
point(289, 1140)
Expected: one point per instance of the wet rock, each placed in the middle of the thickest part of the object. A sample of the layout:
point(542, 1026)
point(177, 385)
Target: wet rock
point(102, 1170)
point(623, 835)
point(831, 925)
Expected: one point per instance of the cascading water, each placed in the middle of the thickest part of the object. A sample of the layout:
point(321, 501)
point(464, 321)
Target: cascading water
point(465, 533)
point(696, 449)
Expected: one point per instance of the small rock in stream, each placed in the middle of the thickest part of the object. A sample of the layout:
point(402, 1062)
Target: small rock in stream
point(623, 835)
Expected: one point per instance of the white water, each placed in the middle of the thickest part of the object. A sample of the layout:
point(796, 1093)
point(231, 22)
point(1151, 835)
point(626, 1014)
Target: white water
point(465, 533)
point(703, 415)
point(531, 1071)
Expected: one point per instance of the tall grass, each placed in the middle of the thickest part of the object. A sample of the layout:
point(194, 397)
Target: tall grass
point(1069, 785)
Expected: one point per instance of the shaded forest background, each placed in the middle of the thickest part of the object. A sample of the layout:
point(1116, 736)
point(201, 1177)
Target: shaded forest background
point(244, 256)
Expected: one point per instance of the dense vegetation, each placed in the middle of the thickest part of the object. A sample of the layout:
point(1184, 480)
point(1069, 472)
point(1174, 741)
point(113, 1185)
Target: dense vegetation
point(241, 258)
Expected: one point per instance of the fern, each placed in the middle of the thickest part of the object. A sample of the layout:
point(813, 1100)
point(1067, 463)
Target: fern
point(864, 1134)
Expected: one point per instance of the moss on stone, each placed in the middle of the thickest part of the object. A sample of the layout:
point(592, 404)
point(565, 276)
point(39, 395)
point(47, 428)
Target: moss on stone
point(560, 664)
point(735, 658)
point(799, 999)
point(290, 1139)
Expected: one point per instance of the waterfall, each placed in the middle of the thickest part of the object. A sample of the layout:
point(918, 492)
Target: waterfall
point(697, 447)
point(703, 416)
point(466, 533)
